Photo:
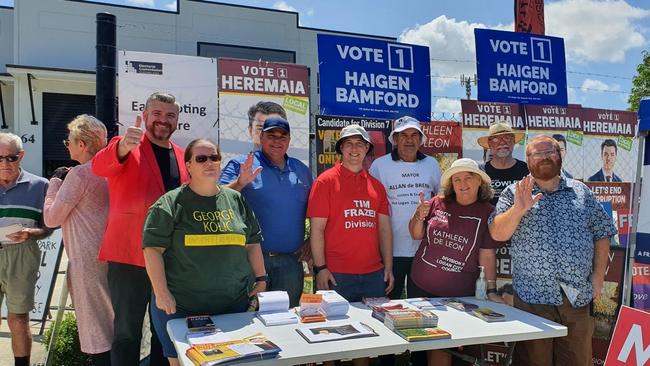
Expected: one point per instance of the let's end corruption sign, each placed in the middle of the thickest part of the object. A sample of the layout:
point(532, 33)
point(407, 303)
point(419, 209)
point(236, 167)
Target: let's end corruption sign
point(373, 78)
point(520, 68)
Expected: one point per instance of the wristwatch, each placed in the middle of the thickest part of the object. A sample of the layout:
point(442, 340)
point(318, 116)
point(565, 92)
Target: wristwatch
point(262, 278)
point(319, 268)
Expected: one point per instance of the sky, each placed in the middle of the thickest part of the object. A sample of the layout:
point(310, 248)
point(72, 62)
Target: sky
point(604, 39)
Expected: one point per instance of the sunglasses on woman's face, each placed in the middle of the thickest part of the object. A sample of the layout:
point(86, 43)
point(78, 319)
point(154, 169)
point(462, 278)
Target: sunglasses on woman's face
point(203, 158)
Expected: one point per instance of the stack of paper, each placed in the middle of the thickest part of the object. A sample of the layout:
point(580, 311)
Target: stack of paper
point(203, 338)
point(309, 310)
point(200, 324)
point(255, 347)
point(274, 308)
point(334, 305)
point(422, 334)
point(404, 319)
point(201, 329)
point(425, 303)
point(488, 315)
point(379, 311)
point(372, 301)
point(460, 305)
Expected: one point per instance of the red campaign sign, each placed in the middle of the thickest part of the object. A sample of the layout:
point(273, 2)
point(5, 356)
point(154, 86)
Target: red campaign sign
point(619, 195)
point(442, 138)
point(529, 16)
point(261, 77)
point(482, 114)
point(603, 122)
point(553, 118)
point(630, 343)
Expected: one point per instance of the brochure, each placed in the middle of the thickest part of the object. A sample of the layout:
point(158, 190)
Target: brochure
point(324, 333)
point(425, 303)
point(255, 347)
point(334, 305)
point(459, 304)
point(8, 230)
point(488, 315)
point(422, 334)
point(203, 338)
point(274, 308)
point(200, 324)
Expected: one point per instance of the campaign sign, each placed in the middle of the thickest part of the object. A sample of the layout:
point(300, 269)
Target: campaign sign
point(373, 78)
point(520, 68)
point(631, 339)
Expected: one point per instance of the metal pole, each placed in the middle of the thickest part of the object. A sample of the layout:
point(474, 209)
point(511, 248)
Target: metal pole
point(631, 248)
point(59, 316)
point(105, 88)
point(2, 109)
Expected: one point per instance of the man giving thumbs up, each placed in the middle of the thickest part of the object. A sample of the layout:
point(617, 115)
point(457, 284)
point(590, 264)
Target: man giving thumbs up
point(140, 166)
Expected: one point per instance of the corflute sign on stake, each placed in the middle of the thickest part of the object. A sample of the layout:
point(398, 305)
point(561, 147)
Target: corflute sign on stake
point(373, 78)
point(629, 345)
point(520, 68)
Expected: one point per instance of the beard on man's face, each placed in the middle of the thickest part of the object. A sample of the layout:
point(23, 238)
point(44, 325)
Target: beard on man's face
point(546, 169)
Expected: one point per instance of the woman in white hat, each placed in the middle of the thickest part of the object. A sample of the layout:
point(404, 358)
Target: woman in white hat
point(455, 240)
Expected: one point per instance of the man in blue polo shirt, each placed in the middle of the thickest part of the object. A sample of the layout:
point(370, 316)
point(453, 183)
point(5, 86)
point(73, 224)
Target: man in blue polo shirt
point(276, 187)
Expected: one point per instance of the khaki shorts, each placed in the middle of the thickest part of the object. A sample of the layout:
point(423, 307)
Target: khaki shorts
point(18, 273)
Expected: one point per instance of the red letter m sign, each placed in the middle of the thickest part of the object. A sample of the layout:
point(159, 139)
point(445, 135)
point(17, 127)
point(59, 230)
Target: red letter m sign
point(630, 343)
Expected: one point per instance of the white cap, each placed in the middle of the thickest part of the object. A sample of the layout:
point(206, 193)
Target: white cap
point(404, 123)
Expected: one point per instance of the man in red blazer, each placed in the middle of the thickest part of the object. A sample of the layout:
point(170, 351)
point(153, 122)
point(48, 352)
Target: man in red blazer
point(140, 166)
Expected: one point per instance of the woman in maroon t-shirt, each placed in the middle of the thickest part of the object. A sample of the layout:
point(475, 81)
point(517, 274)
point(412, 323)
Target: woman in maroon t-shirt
point(455, 240)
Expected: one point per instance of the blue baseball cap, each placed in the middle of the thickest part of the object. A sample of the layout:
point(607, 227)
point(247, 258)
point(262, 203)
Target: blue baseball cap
point(276, 122)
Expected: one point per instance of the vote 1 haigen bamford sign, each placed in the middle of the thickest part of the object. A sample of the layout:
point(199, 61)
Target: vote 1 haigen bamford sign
point(520, 68)
point(365, 77)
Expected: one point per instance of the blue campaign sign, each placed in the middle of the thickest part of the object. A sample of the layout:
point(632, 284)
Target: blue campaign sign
point(373, 78)
point(520, 68)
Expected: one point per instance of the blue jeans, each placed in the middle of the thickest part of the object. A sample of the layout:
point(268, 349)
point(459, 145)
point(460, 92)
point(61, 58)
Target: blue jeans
point(159, 319)
point(285, 274)
point(353, 287)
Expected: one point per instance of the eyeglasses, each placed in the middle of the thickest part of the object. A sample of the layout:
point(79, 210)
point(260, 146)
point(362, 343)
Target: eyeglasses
point(203, 158)
point(9, 158)
point(504, 137)
point(543, 154)
point(66, 142)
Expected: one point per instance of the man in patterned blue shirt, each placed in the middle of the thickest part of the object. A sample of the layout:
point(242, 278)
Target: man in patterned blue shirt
point(560, 241)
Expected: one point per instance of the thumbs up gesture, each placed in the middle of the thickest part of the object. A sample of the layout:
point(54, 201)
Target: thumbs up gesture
point(424, 206)
point(132, 138)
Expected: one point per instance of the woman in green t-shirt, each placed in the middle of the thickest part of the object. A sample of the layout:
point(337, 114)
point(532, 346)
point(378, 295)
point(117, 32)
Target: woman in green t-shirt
point(201, 247)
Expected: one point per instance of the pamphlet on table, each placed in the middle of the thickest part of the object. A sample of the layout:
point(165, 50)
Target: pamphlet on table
point(334, 305)
point(422, 334)
point(255, 347)
point(310, 308)
point(274, 308)
point(327, 333)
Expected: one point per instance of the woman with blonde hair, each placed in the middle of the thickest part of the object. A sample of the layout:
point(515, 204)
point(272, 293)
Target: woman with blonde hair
point(77, 201)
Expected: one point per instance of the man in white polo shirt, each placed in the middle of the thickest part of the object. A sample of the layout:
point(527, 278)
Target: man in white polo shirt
point(405, 172)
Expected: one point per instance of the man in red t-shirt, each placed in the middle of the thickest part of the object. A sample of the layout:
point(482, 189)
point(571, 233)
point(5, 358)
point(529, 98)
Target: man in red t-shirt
point(351, 238)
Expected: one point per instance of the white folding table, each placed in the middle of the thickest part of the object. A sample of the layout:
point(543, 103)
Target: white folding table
point(465, 329)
